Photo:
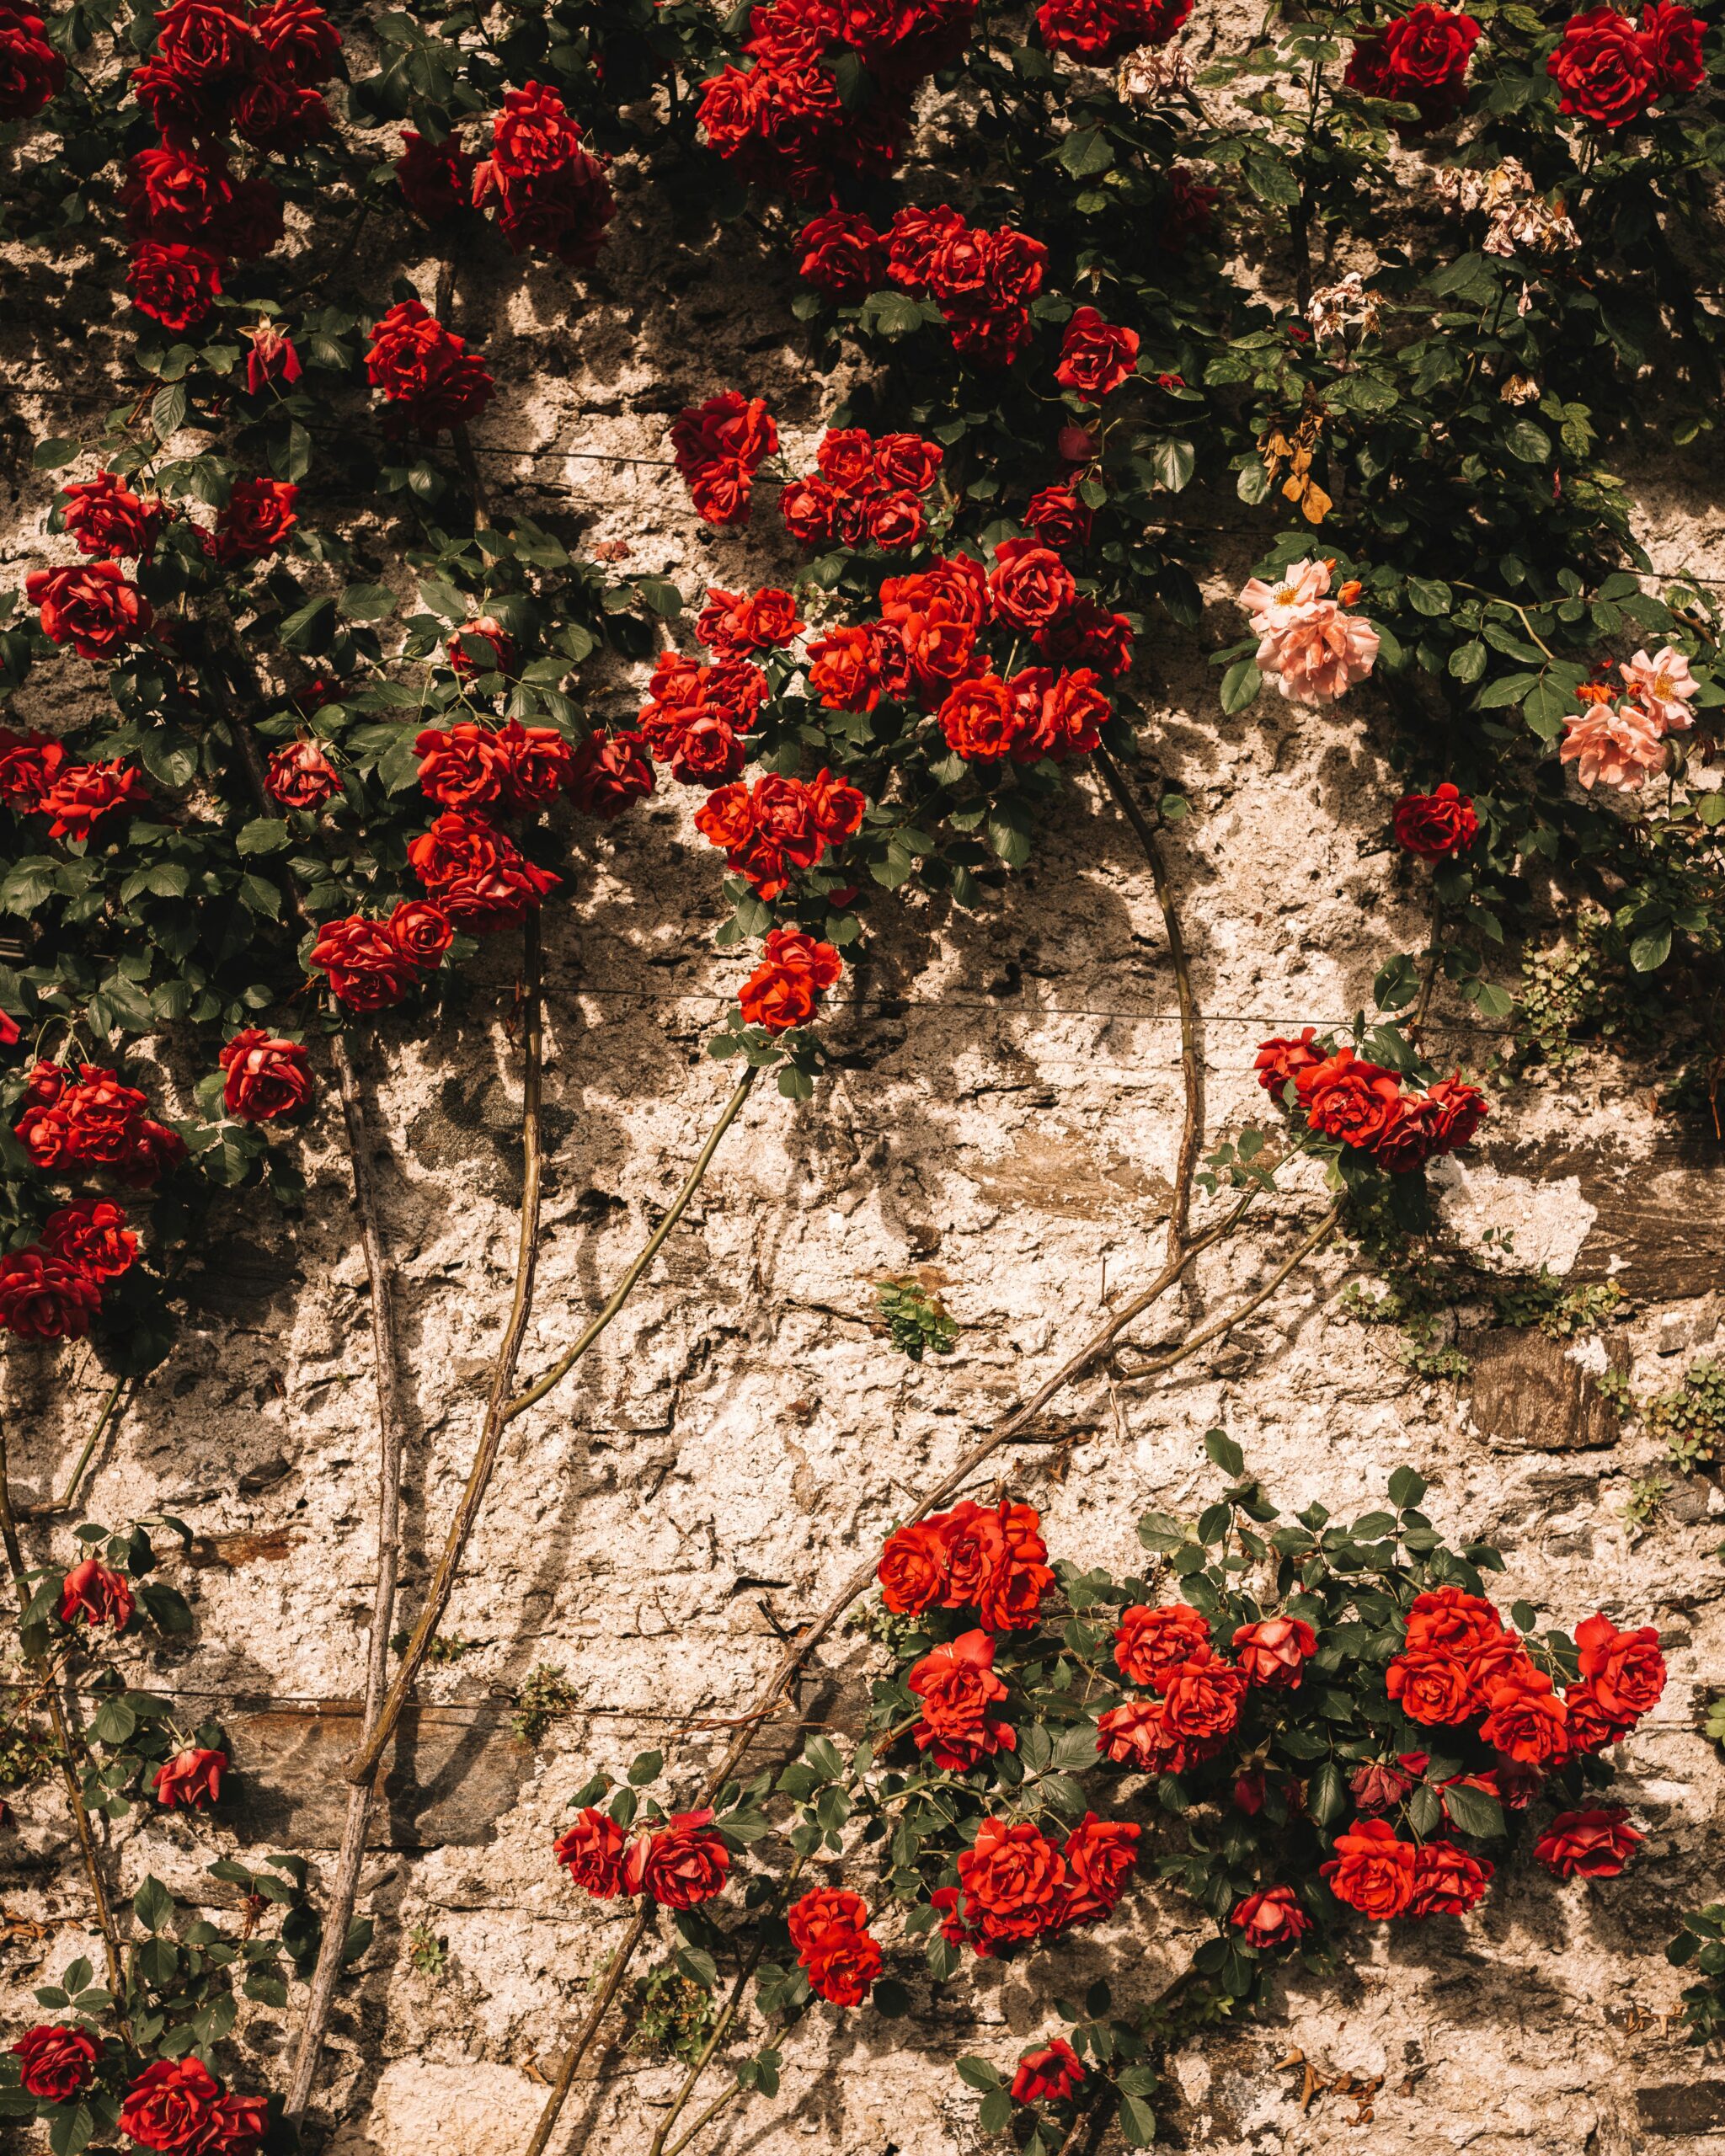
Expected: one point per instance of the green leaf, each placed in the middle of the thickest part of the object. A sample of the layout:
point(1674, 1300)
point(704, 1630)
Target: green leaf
point(359, 1938)
point(1544, 708)
point(1137, 2121)
point(1472, 1811)
point(1087, 151)
point(1648, 953)
point(1227, 1454)
point(263, 835)
point(1327, 1796)
point(51, 454)
point(1173, 463)
point(368, 602)
point(979, 2073)
point(167, 410)
point(1468, 662)
point(152, 1904)
point(1240, 685)
point(646, 1767)
point(1531, 443)
point(993, 2115)
point(1428, 596)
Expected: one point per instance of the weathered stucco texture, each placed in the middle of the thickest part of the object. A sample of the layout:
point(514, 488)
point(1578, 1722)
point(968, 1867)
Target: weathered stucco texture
point(1005, 1110)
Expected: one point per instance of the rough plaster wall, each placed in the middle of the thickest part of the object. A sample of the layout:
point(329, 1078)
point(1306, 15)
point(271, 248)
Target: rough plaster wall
point(1006, 1109)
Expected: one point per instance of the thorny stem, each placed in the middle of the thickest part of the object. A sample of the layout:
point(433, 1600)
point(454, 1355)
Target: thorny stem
point(589, 2029)
point(381, 1727)
point(1428, 973)
point(63, 1503)
point(68, 1772)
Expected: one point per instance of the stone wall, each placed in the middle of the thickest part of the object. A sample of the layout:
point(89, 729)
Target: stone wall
point(1004, 1114)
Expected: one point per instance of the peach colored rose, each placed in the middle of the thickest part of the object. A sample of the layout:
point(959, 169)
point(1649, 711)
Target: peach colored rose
point(1662, 687)
point(1617, 744)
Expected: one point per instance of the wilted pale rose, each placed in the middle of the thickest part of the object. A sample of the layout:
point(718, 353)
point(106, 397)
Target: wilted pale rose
point(1617, 744)
point(1151, 73)
point(1520, 389)
point(1340, 307)
point(1662, 687)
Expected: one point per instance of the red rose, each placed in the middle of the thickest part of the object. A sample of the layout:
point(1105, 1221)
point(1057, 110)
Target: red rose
point(913, 239)
point(1058, 518)
point(93, 1123)
point(105, 519)
point(1151, 1641)
point(1134, 1735)
point(46, 1298)
point(1346, 1097)
point(907, 462)
point(981, 719)
point(101, 1596)
point(426, 369)
point(155, 1149)
point(272, 358)
point(300, 38)
point(1456, 1112)
point(1271, 1918)
point(1604, 67)
point(206, 44)
point(1447, 1620)
point(1409, 1139)
point(1014, 1877)
point(1447, 1881)
point(896, 521)
point(807, 508)
point(957, 1685)
point(592, 1852)
point(1436, 826)
point(1096, 356)
point(820, 1909)
point(1371, 1871)
point(1029, 585)
point(682, 1864)
point(271, 112)
point(192, 1777)
point(435, 178)
point(1591, 1729)
point(828, 1928)
point(175, 194)
point(1672, 37)
point(1100, 1854)
point(83, 794)
point(1525, 1719)
point(31, 72)
point(609, 772)
point(420, 932)
point(733, 624)
point(1597, 1843)
point(536, 763)
point(92, 1232)
point(1049, 2076)
point(480, 646)
point(1274, 1651)
point(1435, 1688)
point(177, 2107)
point(1201, 1699)
point(463, 768)
point(719, 446)
point(258, 516)
point(1626, 1671)
point(172, 283)
point(782, 990)
point(1065, 716)
point(300, 776)
point(843, 255)
point(912, 1569)
point(368, 969)
point(477, 874)
point(28, 764)
point(1419, 59)
point(94, 610)
point(266, 1079)
point(551, 193)
point(1088, 635)
point(58, 2063)
point(1279, 1063)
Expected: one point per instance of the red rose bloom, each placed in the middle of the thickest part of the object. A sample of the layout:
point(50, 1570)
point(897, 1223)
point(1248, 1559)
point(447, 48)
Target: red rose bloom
point(46, 1298)
point(843, 255)
point(300, 38)
point(913, 1568)
point(1058, 518)
point(192, 1777)
point(1456, 1111)
point(718, 447)
point(1049, 2076)
point(1100, 1855)
point(463, 768)
point(420, 932)
point(272, 358)
point(1151, 1641)
point(1436, 826)
point(1201, 1699)
point(101, 1596)
point(733, 624)
point(1064, 714)
point(1096, 356)
point(94, 610)
point(828, 1930)
point(300, 776)
point(435, 178)
point(807, 508)
point(28, 764)
point(258, 516)
point(1029, 585)
point(1604, 67)
point(592, 1851)
point(907, 462)
point(172, 283)
point(1447, 1881)
point(426, 369)
point(1435, 1688)
point(1346, 1097)
point(551, 193)
point(1271, 1918)
point(1672, 37)
point(1624, 1671)
point(266, 1079)
point(367, 968)
point(92, 1232)
point(478, 876)
point(957, 1685)
point(1013, 1877)
point(1447, 1620)
point(1372, 1871)
point(1274, 1651)
point(480, 646)
point(683, 1863)
point(106, 518)
point(59, 2062)
point(1597, 1843)
point(31, 72)
point(1281, 1063)
point(1087, 635)
point(1419, 59)
point(83, 794)
point(981, 719)
point(1525, 1719)
point(177, 2107)
point(782, 990)
point(1135, 1735)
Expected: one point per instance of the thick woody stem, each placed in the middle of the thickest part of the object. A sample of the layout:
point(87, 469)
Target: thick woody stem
point(68, 1772)
point(63, 1503)
point(380, 1726)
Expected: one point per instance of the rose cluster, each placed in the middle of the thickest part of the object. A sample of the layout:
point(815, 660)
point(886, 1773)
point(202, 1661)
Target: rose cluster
point(36, 780)
point(1090, 29)
point(1617, 737)
point(769, 830)
point(1419, 59)
point(988, 1558)
point(370, 965)
point(1612, 69)
point(31, 72)
point(551, 195)
point(828, 1928)
point(696, 715)
point(718, 447)
point(863, 492)
point(782, 122)
point(784, 988)
point(426, 371)
point(679, 1863)
point(217, 72)
point(1016, 1885)
point(1311, 647)
point(1339, 1095)
point(175, 2107)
